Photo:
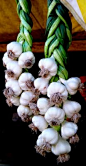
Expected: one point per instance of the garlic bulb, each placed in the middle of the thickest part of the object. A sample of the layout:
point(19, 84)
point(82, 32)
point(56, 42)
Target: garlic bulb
point(12, 89)
point(68, 129)
point(6, 59)
point(57, 93)
point(48, 67)
point(26, 81)
point(54, 116)
point(24, 113)
point(72, 84)
point(26, 60)
point(39, 122)
point(13, 70)
point(13, 101)
point(43, 104)
point(27, 97)
point(71, 107)
point(61, 147)
point(14, 49)
point(48, 135)
point(41, 84)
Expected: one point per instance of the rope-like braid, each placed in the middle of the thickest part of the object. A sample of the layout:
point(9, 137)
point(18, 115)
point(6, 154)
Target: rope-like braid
point(59, 36)
point(24, 36)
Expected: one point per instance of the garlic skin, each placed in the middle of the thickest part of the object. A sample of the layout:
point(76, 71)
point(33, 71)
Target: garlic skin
point(43, 104)
point(13, 70)
point(57, 93)
point(26, 81)
point(26, 60)
point(61, 147)
point(72, 84)
point(68, 129)
point(39, 122)
point(71, 107)
point(27, 97)
point(55, 116)
point(48, 67)
point(48, 135)
point(24, 113)
point(14, 86)
point(6, 59)
point(41, 84)
point(14, 49)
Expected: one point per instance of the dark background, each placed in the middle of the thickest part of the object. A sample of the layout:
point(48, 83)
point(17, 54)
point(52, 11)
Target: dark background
point(17, 141)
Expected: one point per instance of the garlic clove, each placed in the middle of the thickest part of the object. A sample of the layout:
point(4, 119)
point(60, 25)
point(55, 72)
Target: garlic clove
point(68, 129)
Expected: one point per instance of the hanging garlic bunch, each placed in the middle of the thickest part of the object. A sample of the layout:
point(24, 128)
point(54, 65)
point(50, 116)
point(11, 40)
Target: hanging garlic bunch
point(48, 67)
point(72, 84)
point(72, 109)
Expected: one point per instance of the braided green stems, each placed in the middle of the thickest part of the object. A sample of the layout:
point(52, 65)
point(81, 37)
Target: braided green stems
point(58, 31)
point(24, 36)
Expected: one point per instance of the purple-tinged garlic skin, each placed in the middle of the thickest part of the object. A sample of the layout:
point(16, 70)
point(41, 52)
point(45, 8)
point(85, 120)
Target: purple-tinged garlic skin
point(27, 97)
point(24, 113)
point(57, 93)
point(43, 104)
point(26, 81)
point(41, 84)
point(61, 147)
point(13, 70)
point(68, 129)
point(14, 49)
point(14, 86)
point(55, 116)
point(26, 60)
point(6, 59)
point(72, 84)
point(39, 122)
point(71, 108)
point(48, 67)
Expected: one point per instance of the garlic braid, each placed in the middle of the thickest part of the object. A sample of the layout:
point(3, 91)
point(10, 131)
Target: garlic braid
point(24, 36)
point(58, 32)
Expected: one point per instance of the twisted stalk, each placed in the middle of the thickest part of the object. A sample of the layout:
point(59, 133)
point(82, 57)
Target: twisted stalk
point(24, 36)
point(59, 36)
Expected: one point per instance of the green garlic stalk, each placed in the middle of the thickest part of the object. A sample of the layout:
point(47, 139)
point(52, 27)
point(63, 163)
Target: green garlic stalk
point(24, 36)
point(59, 36)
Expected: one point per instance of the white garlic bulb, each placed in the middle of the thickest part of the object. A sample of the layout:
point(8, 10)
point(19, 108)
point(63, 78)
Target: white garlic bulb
point(14, 49)
point(48, 135)
point(68, 129)
point(13, 88)
point(26, 97)
point(72, 84)
point(41, 84)
point(13, 70)
point(55, 116)
point(57, 93)
point(6, 59)
point(71, 107)
point(43, 104)
point(26, 81)
point(26, 60)
point(61, 147)
point(39, 122)
point(15, 100)
point(24, 112)
point(48, 67)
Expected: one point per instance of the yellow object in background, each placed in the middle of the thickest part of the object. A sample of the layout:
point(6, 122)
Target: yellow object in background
point(78, 10)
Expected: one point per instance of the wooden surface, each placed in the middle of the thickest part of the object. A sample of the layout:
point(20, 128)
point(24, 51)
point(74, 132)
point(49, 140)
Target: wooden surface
point(10, 22)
